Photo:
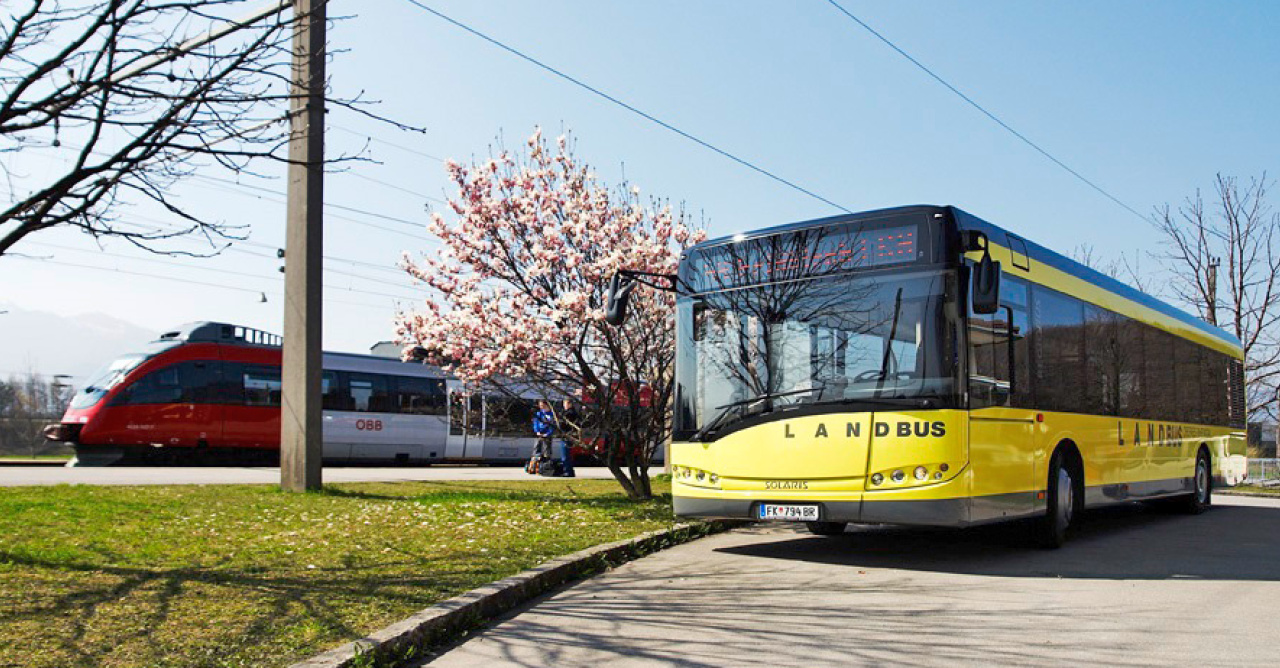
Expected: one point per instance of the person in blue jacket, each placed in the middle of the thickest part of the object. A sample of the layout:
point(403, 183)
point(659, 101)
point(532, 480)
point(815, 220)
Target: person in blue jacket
point(544, 427)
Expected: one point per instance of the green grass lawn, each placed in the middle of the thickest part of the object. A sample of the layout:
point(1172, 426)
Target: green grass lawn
point(247, 575)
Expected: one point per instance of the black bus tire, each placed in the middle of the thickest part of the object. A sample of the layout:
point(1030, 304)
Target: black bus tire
point(1201, 495)
point(826, 528)
point(1061, 503)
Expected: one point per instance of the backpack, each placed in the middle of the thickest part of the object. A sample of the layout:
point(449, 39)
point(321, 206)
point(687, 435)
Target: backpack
point(550, 467)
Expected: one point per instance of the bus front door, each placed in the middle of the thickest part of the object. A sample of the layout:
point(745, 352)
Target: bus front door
point(1002, 426)
point(466, 426)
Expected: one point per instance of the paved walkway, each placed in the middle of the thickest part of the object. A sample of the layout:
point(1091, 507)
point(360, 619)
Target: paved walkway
point(1136, 588)
point(11, 476)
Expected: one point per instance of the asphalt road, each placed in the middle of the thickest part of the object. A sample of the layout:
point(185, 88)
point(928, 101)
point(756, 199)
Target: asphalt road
point(11, 476)
point(1136, 587)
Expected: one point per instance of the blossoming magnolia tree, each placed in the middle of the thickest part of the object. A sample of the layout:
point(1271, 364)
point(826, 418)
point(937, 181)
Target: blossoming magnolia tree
point(519, 290)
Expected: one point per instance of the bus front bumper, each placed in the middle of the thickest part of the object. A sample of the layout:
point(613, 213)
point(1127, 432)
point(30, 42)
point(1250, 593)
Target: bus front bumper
point(925, 512)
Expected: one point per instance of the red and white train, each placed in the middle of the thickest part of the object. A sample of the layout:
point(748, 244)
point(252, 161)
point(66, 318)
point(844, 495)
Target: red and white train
point(209, 392)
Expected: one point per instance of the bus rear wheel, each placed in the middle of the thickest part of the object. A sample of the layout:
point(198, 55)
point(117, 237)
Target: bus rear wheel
point(1202, 487)
point(826, 528)
point(1062, 503)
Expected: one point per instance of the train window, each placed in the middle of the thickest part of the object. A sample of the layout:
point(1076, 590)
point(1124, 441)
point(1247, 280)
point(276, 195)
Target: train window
point(369, 393)
point(420, 396)
point(332, 395)
point(261, 385)
point(181, 383)
point(161, 386)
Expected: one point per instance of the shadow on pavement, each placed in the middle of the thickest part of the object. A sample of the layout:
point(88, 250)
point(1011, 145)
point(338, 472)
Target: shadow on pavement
point(1130, 542)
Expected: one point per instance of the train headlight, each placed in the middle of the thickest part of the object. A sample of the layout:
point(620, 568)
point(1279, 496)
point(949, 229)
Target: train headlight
point(921, 473)
point(701, 475)
point(877, 478)
point(714, 478)
point(898, 475)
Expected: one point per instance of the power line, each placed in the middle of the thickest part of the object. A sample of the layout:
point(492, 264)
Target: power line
point(982, 109)
point(159, 225)
point(328, 205)
point(340, 207)
point(628, 107)
point(395, 187)
point(185, 265)
point(278, 199)
point(163, 277)
point(387, 143)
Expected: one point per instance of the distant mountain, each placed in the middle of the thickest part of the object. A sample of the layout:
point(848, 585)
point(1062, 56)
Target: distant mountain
point(76, 345)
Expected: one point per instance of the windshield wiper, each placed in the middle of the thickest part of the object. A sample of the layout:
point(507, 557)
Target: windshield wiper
point(729, 408)
point(888, 344)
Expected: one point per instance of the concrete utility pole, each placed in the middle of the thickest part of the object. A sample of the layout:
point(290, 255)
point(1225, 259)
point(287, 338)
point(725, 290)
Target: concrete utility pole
point(300, 425)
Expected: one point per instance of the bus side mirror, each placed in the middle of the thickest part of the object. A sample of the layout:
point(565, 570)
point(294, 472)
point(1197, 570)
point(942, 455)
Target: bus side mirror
point(615, 310)
point(986, 285)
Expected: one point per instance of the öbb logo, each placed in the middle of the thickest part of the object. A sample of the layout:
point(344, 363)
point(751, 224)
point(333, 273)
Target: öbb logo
point(369, 425)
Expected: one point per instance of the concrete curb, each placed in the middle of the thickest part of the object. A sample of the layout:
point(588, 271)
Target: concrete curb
point(1256, 495)
point(409, 638)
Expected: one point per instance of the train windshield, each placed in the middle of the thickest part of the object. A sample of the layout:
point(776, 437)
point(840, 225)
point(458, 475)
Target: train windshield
point(102, 380)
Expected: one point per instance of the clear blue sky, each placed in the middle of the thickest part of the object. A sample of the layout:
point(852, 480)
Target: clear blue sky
point(1149, 100)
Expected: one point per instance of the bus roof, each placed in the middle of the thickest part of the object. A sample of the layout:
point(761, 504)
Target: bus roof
point(999, 236)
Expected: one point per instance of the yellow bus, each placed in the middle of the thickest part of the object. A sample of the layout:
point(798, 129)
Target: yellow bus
point(921, 366)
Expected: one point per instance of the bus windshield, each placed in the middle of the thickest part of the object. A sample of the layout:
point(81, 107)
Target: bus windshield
point(847, 342)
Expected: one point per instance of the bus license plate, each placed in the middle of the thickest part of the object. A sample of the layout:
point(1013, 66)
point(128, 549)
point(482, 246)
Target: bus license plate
point(770, 511)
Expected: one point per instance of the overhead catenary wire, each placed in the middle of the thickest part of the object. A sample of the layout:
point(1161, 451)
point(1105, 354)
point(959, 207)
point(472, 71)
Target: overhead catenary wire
point(220, 270)
point(328, 205)
point(649, 117)
point(174, 279)
point(385, 142)
point(984, 110)
point(159, 225)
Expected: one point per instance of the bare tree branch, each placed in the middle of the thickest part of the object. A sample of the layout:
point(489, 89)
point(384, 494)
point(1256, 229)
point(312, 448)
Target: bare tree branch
point(1224, 262)
point(138, 95)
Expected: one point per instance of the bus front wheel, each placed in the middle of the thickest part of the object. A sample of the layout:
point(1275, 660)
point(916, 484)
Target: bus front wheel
point(826, 528)
point(1062, 503)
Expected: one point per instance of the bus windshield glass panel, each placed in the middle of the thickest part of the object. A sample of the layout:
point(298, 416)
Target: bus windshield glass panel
point(852, 341)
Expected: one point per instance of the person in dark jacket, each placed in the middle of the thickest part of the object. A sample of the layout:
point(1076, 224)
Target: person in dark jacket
point(544, 427)
point(567, 419)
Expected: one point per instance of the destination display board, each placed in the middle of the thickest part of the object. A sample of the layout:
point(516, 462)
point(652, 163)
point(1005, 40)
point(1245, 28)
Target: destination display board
point(802, 254)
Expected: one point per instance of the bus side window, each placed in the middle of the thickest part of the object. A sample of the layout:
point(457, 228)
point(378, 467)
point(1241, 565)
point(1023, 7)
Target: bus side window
point(992, 382)
point(1059, 351)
